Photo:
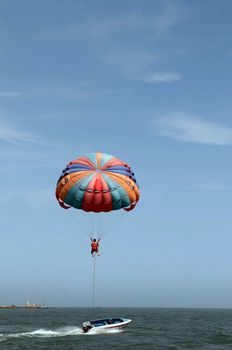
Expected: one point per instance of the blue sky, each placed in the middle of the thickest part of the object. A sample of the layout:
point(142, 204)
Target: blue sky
point(146, 81)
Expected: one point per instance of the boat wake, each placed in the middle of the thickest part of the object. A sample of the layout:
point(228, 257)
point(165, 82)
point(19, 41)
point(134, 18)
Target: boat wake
point(60, 332)
point(43, 333)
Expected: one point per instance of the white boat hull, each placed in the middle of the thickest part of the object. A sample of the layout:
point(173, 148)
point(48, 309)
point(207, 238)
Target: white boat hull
point(109, 326)
point(114, 326)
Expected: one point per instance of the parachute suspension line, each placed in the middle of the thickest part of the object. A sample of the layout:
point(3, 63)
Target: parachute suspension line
point(115, 220)
point(94, 274)
point(94, 225)
point(111, 220)
point(87, 222)
point(81, 225)
point(99, 226)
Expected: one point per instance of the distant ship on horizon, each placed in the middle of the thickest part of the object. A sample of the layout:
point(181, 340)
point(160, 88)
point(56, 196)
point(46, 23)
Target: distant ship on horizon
point(29, 305)
point(8, 306)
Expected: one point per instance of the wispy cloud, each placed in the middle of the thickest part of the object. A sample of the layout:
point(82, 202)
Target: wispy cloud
point(139, 65)
point(10, 94)
point(189, 128)
point(13, 135)
point(35, 197)
point(155, 25)
point(124, 39)
point(131, 64)
point(82, 91)
point(167, 19)
point(162, 77)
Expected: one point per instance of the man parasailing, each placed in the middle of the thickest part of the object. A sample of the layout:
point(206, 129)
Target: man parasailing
point(95, 246)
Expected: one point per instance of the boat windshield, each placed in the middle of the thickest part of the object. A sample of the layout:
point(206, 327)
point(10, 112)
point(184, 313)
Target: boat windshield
point(106, 321)
point(102, 322)
point(116, 320)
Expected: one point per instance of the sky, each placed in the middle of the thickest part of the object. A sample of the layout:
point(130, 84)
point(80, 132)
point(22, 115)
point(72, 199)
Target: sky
point(149, 82)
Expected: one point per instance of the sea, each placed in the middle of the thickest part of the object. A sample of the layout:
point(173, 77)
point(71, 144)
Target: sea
point(150, 329)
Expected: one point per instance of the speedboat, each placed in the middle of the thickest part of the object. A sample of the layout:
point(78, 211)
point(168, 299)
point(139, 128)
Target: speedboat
point(105, 323)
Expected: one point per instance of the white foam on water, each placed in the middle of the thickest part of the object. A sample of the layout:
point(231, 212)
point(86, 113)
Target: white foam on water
point(44, 333)
point(2, 338)
point(60, 332)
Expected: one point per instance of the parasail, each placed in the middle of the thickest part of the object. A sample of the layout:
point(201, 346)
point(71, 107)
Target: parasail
point(97, 185)
point(97, 182)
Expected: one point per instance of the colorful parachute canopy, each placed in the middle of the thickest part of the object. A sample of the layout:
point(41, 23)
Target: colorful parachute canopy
point(97, 182)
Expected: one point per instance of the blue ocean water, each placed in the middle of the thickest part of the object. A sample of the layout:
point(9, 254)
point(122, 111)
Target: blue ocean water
point(151, 328)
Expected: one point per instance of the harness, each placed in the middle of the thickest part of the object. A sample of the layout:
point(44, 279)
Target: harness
point(94, 246)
